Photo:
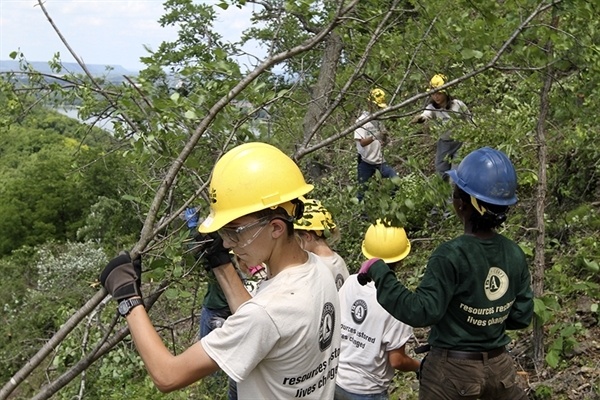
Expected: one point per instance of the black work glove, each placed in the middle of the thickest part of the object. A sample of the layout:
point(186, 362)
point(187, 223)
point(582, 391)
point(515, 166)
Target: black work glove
point(122, 277)
point(215, 254)
point(363, 273)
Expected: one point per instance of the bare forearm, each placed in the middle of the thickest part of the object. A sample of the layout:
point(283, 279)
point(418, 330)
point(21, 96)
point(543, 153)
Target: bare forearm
point(367, 141)
point(168, 372)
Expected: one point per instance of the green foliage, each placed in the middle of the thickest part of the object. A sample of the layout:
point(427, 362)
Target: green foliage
point(63, 182)
point(39, 290)
point(50, 179)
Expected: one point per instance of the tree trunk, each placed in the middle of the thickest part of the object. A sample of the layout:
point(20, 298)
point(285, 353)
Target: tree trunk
point(539, 261)
point(321, 92)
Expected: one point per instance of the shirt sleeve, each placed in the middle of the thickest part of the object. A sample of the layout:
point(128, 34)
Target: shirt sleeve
point(463, 111)
point(396, 335)
point(360, 133)
point(429, 112)
point(423, 307)
point(245, 339)
point(521, 312)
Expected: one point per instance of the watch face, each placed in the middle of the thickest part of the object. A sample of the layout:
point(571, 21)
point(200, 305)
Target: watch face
point(126, 305)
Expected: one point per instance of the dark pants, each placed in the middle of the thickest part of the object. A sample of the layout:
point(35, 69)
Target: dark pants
point(445, 378)
point(366, 171)
point(446, 152)
point(210, 319)
point(341, 394)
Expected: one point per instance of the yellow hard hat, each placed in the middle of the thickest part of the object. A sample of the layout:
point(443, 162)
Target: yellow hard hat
point(377, 96)
point(315, 217)
point(386, 242)
point(437, 81)
point(252, 177)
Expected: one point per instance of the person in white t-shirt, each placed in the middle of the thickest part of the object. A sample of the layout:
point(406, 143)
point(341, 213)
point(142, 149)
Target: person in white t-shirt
point(373, 342)
point(370, 139)
point(441, 115)
point(282, 343)
point(317, 233)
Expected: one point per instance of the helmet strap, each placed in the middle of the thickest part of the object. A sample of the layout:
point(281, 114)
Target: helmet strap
point(480, 209)
point(298, 210)
point(294, 208)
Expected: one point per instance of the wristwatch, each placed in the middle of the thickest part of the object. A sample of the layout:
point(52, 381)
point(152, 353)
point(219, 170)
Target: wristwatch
point(127, 305)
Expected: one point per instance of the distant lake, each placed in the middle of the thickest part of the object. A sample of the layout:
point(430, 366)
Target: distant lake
point(71, 112)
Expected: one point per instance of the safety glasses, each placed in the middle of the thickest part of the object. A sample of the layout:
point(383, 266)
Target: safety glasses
point(234, 235)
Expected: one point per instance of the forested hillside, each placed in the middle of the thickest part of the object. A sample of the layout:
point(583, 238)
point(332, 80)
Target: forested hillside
point(72, 196)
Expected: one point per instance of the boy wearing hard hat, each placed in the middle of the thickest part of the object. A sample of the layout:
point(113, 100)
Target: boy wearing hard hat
point(289, 332)
point(317, 232)
point(370, 138)
point(373, 342)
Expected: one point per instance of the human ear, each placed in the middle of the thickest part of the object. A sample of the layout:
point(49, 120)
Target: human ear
point(279, 228)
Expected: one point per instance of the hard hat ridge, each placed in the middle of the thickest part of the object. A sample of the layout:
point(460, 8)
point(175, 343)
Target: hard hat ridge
point(488, 175)
point(315, 218)
point(249, 178)
point(389, 243)
point(437, 80)
point(377, 97)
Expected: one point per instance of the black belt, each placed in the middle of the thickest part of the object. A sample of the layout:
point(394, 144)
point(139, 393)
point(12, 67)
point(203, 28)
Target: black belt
point(469, 355)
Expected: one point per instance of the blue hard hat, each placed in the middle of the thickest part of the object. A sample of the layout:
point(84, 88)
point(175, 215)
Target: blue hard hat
point(488, 175)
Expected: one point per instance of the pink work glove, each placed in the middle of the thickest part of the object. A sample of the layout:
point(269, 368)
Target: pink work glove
point(255, 270)
point(363, 277)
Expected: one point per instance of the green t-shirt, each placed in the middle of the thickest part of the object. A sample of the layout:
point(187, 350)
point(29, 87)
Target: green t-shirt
point(214, 297)
point(471, 292)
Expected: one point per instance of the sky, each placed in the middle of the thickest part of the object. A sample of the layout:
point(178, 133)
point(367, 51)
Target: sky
point(107, 32)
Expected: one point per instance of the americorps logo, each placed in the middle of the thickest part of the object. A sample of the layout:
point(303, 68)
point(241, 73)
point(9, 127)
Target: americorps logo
point(326, 328)
point(496, 283)
point(359, 311)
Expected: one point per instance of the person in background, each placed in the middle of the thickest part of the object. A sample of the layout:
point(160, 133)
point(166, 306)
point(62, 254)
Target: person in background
point(317, 232)
point(373, 342)
point(474, 288)
point(370, 139)
point(215, 309)
point(440, 116)
point(289, 332)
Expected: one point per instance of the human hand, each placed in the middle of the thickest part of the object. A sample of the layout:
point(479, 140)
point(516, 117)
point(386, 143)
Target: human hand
point(363, 277)
point(215, 254)
point(191, 217)
point(122, 277)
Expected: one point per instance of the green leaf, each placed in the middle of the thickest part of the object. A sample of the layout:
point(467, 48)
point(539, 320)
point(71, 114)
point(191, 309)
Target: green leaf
point(171, 293)
point(190, 114)
point(468, 54)
point(592, 266)
point(552, 359)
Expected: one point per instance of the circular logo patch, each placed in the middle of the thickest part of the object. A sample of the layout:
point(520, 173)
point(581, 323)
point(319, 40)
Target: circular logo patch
point(339, 281)
point(326, 328)
point(359, 311)
point(496, 283)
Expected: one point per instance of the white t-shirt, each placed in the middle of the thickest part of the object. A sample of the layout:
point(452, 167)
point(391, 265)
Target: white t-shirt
point(368, 333)
point(372, 152)
point(284, 342)
point(458, 111)
point(338, 268)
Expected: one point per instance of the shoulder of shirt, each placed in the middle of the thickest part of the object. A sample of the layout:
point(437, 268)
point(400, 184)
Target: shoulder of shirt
point(363, 115)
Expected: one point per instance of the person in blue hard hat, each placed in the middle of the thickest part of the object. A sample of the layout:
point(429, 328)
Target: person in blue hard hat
point(475, 287)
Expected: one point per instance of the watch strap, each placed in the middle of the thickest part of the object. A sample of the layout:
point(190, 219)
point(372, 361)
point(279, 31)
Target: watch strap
point(127, 305)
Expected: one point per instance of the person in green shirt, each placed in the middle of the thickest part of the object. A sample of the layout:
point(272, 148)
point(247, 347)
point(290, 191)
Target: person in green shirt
point(475, 287)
